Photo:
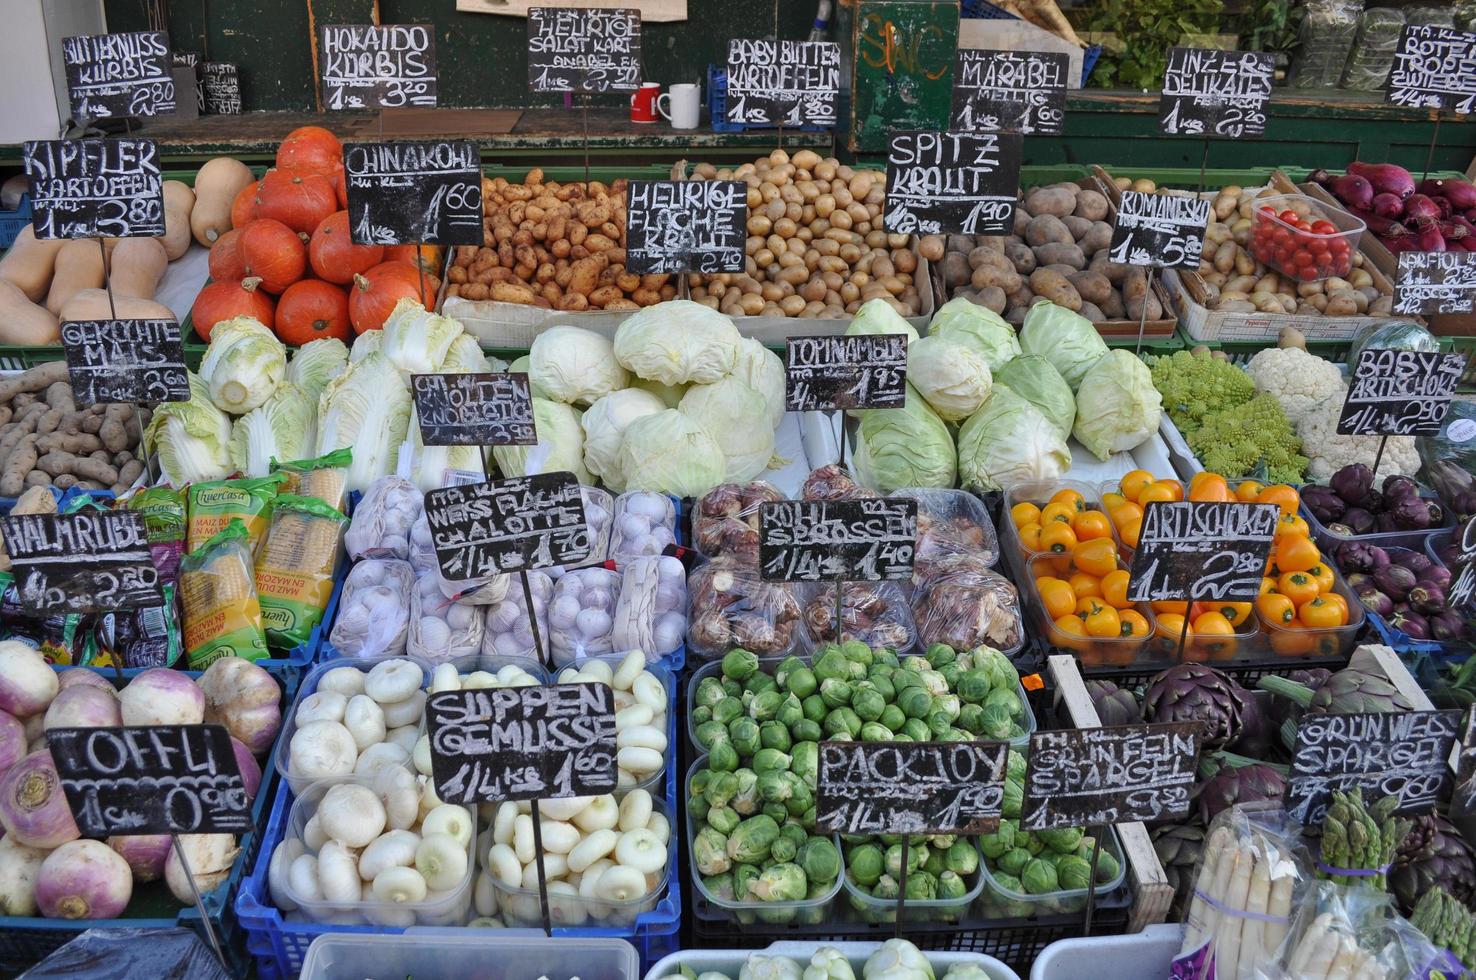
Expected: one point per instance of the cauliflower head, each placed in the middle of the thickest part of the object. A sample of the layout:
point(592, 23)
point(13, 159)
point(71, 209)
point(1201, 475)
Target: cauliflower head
point(1297, 379)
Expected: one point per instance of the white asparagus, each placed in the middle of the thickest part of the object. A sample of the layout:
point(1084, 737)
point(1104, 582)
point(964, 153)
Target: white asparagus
point(1284, 879)
point(1322, 956)
point(1227, 937)
point(1253, 935)
point(1343, 963)
point(1200, 920)
point(1308, 943)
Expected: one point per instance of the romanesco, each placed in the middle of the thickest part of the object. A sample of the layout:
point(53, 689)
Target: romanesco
point(1236, 441)
point(1194, 386)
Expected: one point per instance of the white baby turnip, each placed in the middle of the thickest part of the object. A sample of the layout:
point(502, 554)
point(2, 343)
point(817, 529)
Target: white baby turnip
point(161, 696)
point(320, 749)
point(83, 879)
point(27, 682)
point(351, 814)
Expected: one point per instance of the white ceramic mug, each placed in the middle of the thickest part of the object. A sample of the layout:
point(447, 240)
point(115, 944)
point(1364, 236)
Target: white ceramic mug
point(679, 104)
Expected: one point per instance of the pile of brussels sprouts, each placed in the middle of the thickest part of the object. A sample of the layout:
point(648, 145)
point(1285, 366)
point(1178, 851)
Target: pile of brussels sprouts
point(1042, 862)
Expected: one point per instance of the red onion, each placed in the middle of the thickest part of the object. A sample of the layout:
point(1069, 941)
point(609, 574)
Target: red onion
point(1452, 231)
point(1460, 221)
point(1353, 190)
point(145, 855)
point(1385, 177)
point(12, 740)
point(1419, 208)
point(1401, 243)
point(1428, 238)
point(32, 804)
point(1388, 206)
point(1378, 225)
point(1460, 194)
point(83, 706)
point(250, 770)
point(161, 696)
point(27, 682)
point(84, 879)
point(80, 676)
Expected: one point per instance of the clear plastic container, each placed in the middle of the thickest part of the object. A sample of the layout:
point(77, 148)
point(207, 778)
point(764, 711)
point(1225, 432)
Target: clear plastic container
point(1095, 651)
point(730, 961)
point(1305, 642)
point(451, 907)
point(871, 909)
point(1328, 540)
point(651, 782)
point(644, 525)
point(465, 953)
point(1299, 253)
point(876, 613)
point(521, 907)
point(951, 522)
point(1039, 494)
point(806, 911)
point(1001, 902)
point(729, 606)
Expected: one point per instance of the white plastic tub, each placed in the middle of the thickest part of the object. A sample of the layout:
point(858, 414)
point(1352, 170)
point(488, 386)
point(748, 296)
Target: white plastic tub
point(1140, 954)
point(730, 961)
point(506, 954)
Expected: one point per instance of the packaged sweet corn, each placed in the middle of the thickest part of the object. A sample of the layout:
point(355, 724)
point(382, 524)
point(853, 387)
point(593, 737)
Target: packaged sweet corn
point(222, 615)
point(214, 505)
point(294, 572)
point(325, 477)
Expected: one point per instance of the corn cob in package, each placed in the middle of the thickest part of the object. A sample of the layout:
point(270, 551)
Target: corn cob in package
point(294, 571)
point(222, 614)
point(214, 505)
point(325, 478)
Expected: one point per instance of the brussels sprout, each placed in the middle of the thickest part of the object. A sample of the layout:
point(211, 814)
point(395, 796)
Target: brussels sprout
point(974, 686)
point(750, 843)
point(698, 807)
point(835, 692)
point(719, 886)
point(971, 719)
point(1039, 877)
point(832, 665)
point(806, 731)
point(801, 682)
point(791, 712)
point(820, 858)
point(783, 882)
point(765, 705)
point(868, 703)
point(740, 664)
point(709, 733)
point(922, 886)
point(1017, 730)
point(1064, 840)
point(996, 722)
point(1049, 856)
point(939, 723)
point(760, 683)
point(701, 715)
point(743, 875)
point(950, 674)
point(709, 692)
point(783, 850)
point(786, 667)
point(916, 664)
point(1073, 873)
point(903, 679)
point(828, 963)
point(885, 888)
point(1015, 766)
point(885, 656)
point(815, 708)
point(710, 851)
point(721, 787)
point(773, 735)
point(1032, 842)
point(772, 786)
point(962, 858)
point(769, 760)
point(776, 812)
point(875, 731)
point(1107, 866)
point(942, 842)
point(744, 734)
point(915, 702)
point(726, 710)
point(916, 730)
point(915, 858)
point(933, 682)
point(857, 652)
point(842, 721)
point(794, 830)
point(881, 680)
point(1013, 861)
point(939, 654)
point(892, 718)
point(746, 799)
point(933, 860)
point(723, 819)
point(865, 864)
point(951, 886)
point(1001, 671)
point(1012, 885)
point(731, 688)
point(805, 760)
point(722, 757)
point(1007, 698)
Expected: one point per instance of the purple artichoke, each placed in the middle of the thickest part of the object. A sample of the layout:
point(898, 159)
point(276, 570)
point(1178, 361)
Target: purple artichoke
point(1114, 705)
point(1194, 692)
point(1348, 692)
point(1324, 503)
point(1178, 846)
point(1353, 483)
point(1433, 854)
point(1259, 727)
point(1255, 783)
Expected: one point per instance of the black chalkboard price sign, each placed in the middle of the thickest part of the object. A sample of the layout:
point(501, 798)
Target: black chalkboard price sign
point(1404, 754)
point(685, 226)
point(960, 182)
point(1462, 592)
point(1163, 230)
point(377, 66)
point(1202, 551)
point(1010, 92)
point(782, 83)
point(526, 522)
point(95, 188)
point(151, 779)
point(1399, 392)
point(830, 373)
point(474, 409)
point(522, 743)
point(1433, 68)
point(412, 193)
point(829, 540)
point(220, 86)
point(125, 361)
point(584, 49)
point(1435, 282)
point(1092, 776)
point(1215, 93)
point(90, 561)
point(110, 75)
point(910, 787)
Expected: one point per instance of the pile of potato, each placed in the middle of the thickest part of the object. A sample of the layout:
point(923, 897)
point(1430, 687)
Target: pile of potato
point(1059, 252)
point(46, 440)
point(556, 246)
point(1236, 283)
point(815, 245)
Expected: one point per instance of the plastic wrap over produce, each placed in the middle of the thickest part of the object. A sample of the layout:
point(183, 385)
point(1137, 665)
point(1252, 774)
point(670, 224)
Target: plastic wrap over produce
point(644, 525)
point(440, 628)
point(581, 616)
point(508, 632)
point(599, 511)
point(383, 519)
point(732, 607)
point(875, 613)
point(374, 610)
point(481, 591)
point(726, 521)
point(960, 601)
point(651, 612)
point(124, 954)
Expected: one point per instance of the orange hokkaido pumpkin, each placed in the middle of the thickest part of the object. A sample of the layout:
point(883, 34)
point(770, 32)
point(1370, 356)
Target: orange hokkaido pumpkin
point(373, 295)
point(223, 300)
point(225, 257)
point(311, 310)
point(423, 279)
point(272, 251)
point(243, 208)
point(298, 200)
point(340, 187)
point(334, 255)
point(310, 150)
point(431, 257)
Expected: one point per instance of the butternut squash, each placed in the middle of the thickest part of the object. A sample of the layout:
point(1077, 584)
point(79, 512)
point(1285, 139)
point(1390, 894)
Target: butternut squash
point(216, 187)
point(92, 304)
point(179, 203)
point(30, 262)
point(23, 322)
point(136, 266)
point(79, 265)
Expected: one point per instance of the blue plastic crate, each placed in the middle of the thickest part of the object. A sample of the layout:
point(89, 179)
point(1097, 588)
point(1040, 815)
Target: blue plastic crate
point(12, 223)
point(280, 945)
point(717, 107)
point(25, 941)
point(983, 10)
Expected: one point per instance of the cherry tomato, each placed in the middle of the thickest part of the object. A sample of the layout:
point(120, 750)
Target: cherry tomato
point(1324, 228)
point(1266, 211)
point(1290, 216)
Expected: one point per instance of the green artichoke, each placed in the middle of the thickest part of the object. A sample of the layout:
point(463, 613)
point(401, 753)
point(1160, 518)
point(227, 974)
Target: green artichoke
point(1114, 705)
point(1348, 692)
point(1178, 847)
point(1194, 692)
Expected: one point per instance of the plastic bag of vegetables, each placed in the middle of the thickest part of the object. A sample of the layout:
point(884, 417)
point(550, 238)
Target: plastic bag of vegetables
point(374, 611)
point(1338, 931)
point(651, 609)
point(645, 525)
point(217, 587)
point(294, 572)
point(440, 628)
point(508, 632)
point(383, 519)
point(581, 617)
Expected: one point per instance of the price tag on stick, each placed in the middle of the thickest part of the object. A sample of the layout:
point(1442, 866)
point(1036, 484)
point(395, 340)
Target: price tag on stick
point(412, 193)
point(1404, 754)
point(685, 226)
point(952, 182)
point(518, 524)
point(1463, 795)
point(1435, 282)
point(88, 561)
point(1433, 68)
point(782, 83)
point(103, 188)
point(125, 361)
point(1009, 92)
point(220, 86)
point(584, 49)
point(377, 66)
point(910, 787)
point(837, 540)
point(1163, 231)
point(836, 373)
point(1215, 93)
point(111, 75)
point(1399, 392)
point(474, 409)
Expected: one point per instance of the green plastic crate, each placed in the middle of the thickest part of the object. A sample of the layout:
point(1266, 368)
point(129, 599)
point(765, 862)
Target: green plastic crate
point(1241, 351)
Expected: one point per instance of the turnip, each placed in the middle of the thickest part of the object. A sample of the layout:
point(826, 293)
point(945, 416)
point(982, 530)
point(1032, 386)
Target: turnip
point(145, 855)
point(85, 678)
point(286, 852)
point(209, 856)
point(12, 740)
point(346, 681)
point(397, 886)
point(441, 861)
point(321, 706)
point(161, 696)
point(33, 807)
point(392, 681)
point(19, 867)
point(83, 879)
point(393, 849)
point(245, 699)
point(82, 706)
point(320, 749)
point(250, 769)
point(451, 820)
point(338, 873)
point(27, 682)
